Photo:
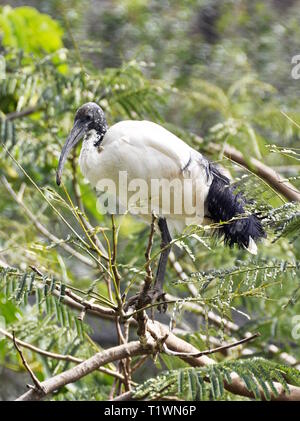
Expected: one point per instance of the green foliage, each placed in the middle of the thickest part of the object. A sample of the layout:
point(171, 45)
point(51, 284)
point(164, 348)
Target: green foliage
point(285, 221)
point(49, 300)
point(206, 383)
point(159, 63)
point(28, 30)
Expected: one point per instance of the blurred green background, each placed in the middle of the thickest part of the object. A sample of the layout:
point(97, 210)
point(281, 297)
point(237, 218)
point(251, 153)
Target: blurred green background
point(209, 70)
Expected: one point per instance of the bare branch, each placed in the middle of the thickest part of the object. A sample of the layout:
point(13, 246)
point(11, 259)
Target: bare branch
point(273, 178)
point(24, 113)
point(75, 301)
point(38, 387)
point(127, 396)
point(139, 363)
point(214, 350)
point(56, 356)
point(73, 374)
point(114, 255)
point(237, 386)
point(131, 349)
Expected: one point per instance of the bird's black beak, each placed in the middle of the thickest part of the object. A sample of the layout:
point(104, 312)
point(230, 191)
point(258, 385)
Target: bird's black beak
point(74, 137)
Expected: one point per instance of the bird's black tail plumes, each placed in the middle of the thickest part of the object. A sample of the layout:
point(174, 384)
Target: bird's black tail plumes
point(223, 204)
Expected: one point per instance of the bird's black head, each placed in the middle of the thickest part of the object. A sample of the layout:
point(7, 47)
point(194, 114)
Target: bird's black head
point(88, 117)
point(91, 117)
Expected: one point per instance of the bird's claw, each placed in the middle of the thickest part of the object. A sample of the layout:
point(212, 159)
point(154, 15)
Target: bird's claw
point(152, 296)
point(155, 296)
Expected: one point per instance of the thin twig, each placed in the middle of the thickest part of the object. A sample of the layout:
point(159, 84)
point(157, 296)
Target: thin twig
point(211, 351)
point(84, 219)
point(19, 114)
point(139, 363)
point(55, 356)
point(112, 390)
point(114, 253)
point(266, 173)
point(237, 385)
point(38, 385)
point(76, 302)
point(128, 359)
point(42, 229)
point(81, 315)
point(126, 375)
point(127, 396)
point(124, 364)
point(56, 211)
point(119, 331)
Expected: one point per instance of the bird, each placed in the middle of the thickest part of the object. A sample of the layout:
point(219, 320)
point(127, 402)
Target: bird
point(145, 151)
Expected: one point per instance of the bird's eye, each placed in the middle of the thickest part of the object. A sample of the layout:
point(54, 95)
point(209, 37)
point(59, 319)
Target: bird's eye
point(89, 117)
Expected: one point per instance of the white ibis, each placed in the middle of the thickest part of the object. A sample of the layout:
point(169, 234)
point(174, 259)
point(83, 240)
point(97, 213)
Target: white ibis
point(146, 151)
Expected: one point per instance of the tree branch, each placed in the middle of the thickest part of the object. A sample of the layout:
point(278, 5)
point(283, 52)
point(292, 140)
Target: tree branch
point(38, 387)
point(221, 321)
point(56, 356)
point(131, 349)
point(237, 386)
point(272, 177)
point(214, 350)
point(19, 114)
point(78, 302)
point(73, 374)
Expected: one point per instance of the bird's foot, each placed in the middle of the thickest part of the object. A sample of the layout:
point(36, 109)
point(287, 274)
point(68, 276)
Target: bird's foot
point(143, 299)
point(156, 295)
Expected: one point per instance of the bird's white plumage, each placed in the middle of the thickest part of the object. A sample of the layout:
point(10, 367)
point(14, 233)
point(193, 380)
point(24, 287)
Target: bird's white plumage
point(140, 167)
point(146, 151)
point(252, 247)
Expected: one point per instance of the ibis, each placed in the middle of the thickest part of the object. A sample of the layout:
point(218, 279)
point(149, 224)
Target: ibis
point(145, 151)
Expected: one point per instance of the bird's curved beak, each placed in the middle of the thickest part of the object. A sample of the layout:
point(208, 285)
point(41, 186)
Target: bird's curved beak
point(74, 137)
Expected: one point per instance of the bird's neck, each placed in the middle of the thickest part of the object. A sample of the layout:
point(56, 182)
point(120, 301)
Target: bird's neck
point(100, 133)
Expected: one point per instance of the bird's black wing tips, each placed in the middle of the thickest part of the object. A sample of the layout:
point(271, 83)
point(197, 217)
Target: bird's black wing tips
point(223, 204)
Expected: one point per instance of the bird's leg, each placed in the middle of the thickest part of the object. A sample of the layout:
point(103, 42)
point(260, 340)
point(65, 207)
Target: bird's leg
point(158, 292)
